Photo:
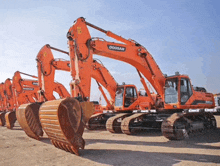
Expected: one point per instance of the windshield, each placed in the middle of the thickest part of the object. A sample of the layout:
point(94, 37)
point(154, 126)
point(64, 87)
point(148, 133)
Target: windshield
point(119, 97)
point(171, 91)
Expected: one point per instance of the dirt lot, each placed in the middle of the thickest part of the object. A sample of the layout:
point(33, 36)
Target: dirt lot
point(103, 148)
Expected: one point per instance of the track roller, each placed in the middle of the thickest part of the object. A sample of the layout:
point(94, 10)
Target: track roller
point(10, 118)
point(113, 124)
point(127, 124)
point(28, 118)
point(64, 120)
point(179, 125)
point(2, 118)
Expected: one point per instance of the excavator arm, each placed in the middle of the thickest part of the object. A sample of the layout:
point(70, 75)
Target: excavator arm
point(83, 46)
point(25, 90)
point(47, 65)
point(103, 77)
point(46, 71)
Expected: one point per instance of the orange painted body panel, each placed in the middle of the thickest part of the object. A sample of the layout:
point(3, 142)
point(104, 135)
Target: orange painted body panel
point(3, 98)
point(47, 65)
point(9, 95)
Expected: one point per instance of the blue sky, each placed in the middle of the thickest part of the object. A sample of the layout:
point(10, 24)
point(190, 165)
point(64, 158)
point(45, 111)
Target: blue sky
point(181, 35)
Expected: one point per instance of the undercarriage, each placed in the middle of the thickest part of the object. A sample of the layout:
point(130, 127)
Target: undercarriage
point(174, 126)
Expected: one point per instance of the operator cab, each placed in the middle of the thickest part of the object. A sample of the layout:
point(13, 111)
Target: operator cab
point(176, 85)
point(125, 95)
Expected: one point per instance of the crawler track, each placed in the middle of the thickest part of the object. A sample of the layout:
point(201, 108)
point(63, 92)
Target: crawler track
point(95, 122)
point(179, 125)
point(126, 124)
point(113, 124)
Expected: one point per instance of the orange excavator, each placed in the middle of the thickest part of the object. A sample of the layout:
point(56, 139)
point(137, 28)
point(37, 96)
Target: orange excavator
point(176, 101)
point(3, 105)
point(28, 114)
point(10, 117)
point(18, 92)
point(71, 114)
point(23, 91)
point(13, 94)
point(127, 98)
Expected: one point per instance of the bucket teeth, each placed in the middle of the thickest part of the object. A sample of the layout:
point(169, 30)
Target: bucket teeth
point(64, 120)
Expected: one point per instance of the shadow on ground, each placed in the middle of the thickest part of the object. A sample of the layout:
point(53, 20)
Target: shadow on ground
point(45, 140)
point(195, 140)
point(126, 157)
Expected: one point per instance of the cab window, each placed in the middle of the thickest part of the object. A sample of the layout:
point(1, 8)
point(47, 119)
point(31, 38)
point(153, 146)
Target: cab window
point(171, 91)
point(185, 90)
point(130, 96)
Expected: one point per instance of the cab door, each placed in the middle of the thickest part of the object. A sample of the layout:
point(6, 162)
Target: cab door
point(185, 90)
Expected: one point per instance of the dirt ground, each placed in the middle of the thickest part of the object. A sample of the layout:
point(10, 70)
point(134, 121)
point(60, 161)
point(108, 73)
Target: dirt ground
point(104, 148)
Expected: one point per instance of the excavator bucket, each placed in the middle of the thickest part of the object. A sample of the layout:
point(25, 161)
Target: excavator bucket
point(2, 118)
point(10, 119)
point(28, 118)
point(64, 120)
